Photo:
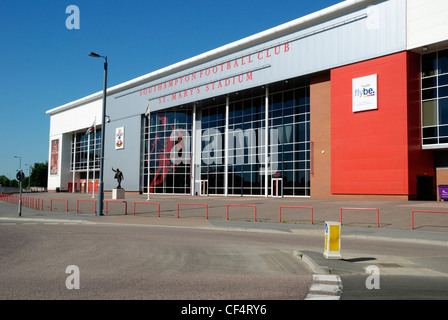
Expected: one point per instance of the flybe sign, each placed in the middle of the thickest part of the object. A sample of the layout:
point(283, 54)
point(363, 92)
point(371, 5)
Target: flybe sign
point(364, 93)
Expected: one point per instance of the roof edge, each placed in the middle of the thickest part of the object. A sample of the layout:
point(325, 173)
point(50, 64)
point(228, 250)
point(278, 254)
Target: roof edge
point(285, 28)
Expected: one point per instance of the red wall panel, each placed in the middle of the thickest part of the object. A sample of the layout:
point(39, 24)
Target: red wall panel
point(370, 148)
point(421, 162)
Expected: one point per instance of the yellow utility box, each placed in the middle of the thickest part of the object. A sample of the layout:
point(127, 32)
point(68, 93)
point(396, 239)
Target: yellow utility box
point(332, 240)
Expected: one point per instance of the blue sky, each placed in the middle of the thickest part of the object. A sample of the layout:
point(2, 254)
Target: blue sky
point(44, 65)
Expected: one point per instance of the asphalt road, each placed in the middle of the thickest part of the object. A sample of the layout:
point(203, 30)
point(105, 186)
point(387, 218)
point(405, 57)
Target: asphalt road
point(135, 261)
point(138, 262)
point(395, 287)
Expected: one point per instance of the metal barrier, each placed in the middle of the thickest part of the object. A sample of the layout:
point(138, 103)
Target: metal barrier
point(299, 207)
point(39, 201)
point(242, 205)
point(11, 198)
point(193, 204)
point(121, 201)
point(34, 203)
point(370, 209)
point(147, 203)
point(51, 203)
point(412, 215)
point(77, 203)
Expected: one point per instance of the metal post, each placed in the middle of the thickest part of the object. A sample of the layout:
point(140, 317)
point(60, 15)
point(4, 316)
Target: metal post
point(74, 164)
point(20, 185)
point(94, 159)
point(99, 211)
point(193, 152)
point(266, 142)
point(20, 197)
point(149, 149)
point(226, 149)
point(88, 162)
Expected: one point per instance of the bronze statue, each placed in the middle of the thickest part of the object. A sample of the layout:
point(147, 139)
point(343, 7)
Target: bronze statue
point(118, 176)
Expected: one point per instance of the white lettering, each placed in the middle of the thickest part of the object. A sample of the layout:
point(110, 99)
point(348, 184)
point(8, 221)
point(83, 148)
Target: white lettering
point(373, 18)
point(212, 152)
point(272, 153)
point(72, 21)
point(373, 280)
point(180, 153)
point(198, 310)
point(244, 147)
point(72, 281)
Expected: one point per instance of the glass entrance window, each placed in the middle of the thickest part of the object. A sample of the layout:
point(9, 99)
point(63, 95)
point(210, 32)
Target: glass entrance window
point(435, 98)
point(212, 146)
point(289, 129)
point(86, 148)
point(167, 143)
point(169, 149)
point(288, 143)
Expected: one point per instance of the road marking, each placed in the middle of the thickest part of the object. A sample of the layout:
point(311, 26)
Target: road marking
point(326, 277)
point(325, 287)
point(34, 221)
point(311, 296)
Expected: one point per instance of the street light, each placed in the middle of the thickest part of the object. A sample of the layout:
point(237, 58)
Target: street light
point(19, 174)
point(29, 175)
point(99, 211)
point(20, 162)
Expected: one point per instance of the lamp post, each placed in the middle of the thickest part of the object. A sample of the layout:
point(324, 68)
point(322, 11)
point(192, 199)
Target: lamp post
point(99, 211)
point(29, 175)
point(19, 175)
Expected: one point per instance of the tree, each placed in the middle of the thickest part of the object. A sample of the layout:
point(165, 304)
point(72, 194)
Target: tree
point(4, 181)
point(39, 175)
point(13, 183)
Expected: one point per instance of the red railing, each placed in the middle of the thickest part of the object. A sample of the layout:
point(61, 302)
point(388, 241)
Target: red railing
point(242, 205)
point(31, 202)
point(147, 203)
point(368, 209)
point(39, 201)
point(120, 201)
point(77, 203)
point(193, 204)
point(299, 207)
point(11, 198)
point(412, 215)
point(51, 203)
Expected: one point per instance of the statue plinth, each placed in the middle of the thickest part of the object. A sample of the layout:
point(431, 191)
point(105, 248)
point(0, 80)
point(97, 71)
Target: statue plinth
point(118, 193)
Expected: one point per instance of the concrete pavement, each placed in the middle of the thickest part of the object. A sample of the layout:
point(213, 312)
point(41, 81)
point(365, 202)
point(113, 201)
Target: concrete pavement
point(429, 239)
point(257, 214)
point(359, 217)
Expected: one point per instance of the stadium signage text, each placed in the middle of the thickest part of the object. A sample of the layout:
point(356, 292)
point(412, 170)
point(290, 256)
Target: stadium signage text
point(195, 80)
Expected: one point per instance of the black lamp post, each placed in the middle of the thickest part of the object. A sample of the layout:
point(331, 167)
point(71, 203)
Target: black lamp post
point(99, 211)
point(20, 178)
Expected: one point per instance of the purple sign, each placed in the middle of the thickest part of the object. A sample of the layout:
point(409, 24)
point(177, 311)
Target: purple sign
point(443, 192)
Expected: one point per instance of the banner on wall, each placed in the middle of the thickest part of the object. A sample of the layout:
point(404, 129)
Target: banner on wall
point(54, 157)
point(364, 93)
point(119, 138)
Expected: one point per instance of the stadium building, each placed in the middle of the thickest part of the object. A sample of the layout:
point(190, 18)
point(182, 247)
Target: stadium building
point(350, 101)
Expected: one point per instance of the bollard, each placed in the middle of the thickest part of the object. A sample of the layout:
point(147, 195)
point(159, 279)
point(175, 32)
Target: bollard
point(332, 240)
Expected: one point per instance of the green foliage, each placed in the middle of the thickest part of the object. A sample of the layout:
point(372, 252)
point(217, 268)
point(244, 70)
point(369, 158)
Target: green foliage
point(4, 181)
point(39, 175)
